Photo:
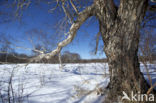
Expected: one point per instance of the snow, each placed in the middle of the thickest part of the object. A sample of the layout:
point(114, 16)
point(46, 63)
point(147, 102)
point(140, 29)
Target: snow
point(47, 83)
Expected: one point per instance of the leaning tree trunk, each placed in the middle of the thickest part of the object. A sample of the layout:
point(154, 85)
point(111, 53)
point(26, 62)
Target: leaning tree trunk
point(120, 32)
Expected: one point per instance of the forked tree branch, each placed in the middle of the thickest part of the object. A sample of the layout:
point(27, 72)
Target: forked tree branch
point(82, 17)
point(66, 11)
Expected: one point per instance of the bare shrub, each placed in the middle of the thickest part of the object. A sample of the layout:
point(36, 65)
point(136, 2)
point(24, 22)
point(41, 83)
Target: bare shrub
point(11, 92)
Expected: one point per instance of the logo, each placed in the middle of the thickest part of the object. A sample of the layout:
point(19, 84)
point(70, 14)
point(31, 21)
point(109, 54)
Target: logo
point(137, 97)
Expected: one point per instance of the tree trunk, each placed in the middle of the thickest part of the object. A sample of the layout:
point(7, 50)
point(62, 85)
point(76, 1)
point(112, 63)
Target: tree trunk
point(121, 50)
point(120, 32)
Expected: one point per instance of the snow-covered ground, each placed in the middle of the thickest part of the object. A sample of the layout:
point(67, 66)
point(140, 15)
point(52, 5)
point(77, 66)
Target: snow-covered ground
point(47, 83)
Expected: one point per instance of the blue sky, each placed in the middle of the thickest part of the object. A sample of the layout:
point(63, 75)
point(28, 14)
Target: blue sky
point(37, 17)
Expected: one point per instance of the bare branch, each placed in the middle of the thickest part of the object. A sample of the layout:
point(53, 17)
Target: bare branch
point(67, 13)
point(36, 50)
point(82, 17)
point(74, 6)
point(145, 21)
point(21, 4)
point(97, 41)
point(51, 10)
point(151, 88)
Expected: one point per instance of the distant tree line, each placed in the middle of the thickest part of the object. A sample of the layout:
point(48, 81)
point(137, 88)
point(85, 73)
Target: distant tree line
point(13, 58)
point(66, 57)
point(9, 58)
